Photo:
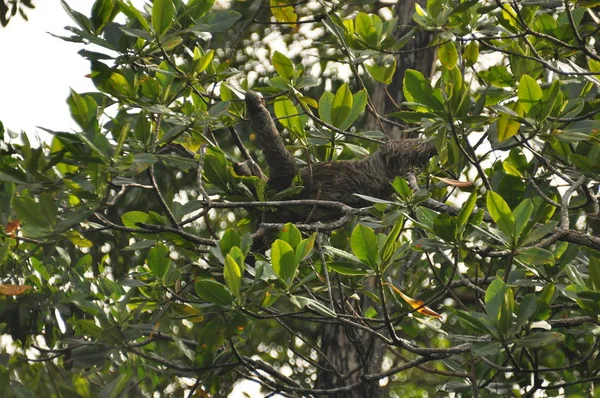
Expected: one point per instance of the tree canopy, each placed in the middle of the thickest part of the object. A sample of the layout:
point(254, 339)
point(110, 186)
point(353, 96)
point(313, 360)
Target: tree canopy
point(139, 258)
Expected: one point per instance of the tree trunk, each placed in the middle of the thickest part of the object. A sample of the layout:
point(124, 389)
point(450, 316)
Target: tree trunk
point(348, 348)
point(421, 60)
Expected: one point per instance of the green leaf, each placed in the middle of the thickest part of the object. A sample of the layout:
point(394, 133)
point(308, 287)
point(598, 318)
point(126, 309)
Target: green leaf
point(158, 260)
point(162, 16)
point(536, 256)
point(383, 69)
point(389, 247)
point(233, 276)
point(466, 211)
point(283, 11)
point(507, 127)
point(526, 309)
point(501, 213)
point(229, 240)
point(522, 213)
point(540, 339)
point(359, 102)
point(202, 62)
point(288, 115)
point(325, 104)
point(305, 247)
point(291, 235)
point(132, 218)
point(213, 292)
point(448, 55)
point(364, 245)
point(593, 281)
point(365, 27)
point(418, 88)
point(530, 93)
point(494, 297)
point(471, 53)
point(83, 109)
point(283, 65)
point(283, 260)
point(217, 21)
point(102, 10)
point(314, 305)
point(549, 99)
point(342, 106)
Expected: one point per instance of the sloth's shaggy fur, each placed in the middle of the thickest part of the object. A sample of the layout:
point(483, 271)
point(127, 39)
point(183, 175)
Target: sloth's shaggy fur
point(337, 180)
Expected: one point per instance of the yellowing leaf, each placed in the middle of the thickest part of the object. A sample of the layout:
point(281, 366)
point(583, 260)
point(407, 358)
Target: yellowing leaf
point(11, 227)
point(13, 290)
point(283, 12)
point(507, 127)
point(455, 183)
point(416, 304)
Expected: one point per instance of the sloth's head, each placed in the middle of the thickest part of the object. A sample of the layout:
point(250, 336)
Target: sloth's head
point(399, 157)
point(254, 100)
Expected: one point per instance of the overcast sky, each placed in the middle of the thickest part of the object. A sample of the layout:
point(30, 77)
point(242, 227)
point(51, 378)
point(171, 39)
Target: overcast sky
point(38, 69)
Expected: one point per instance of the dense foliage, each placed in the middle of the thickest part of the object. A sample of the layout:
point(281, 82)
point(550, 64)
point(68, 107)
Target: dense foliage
point(136, 261)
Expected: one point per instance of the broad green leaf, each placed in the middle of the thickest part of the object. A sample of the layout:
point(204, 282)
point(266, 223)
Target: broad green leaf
point(162, 16)
point(383, 69)
point(530, 93)
point(158, 260)
point(132, 218)
point(83, 109)
point(342, 105)
point(283, 11)
point(232, 275)
point(593, 281)
point(471, 53)
point(389, 247)
point(536, 256)
point(305, 248)
point(213, 292)
point(359, 102)
point(540, 339)
point(133, 13)
point(203, 61)
point(501, 213)
point(466, 210)
point(549, 99)
point(522, 213)
point(526, 310)
point(291, 235)
point(102, 10)
point(198, 8)
point(364, 245)
point(81, 20)
point(494, 297)
point(283, 260)
point(288, 115)
point(594, 65)
point(283, 65)
point(366, 28)
point(217, 21)
point(229, 240)
point(448, 55)
point(325, 105)
point(417, 87)
point(314, 305)
point(507, 127)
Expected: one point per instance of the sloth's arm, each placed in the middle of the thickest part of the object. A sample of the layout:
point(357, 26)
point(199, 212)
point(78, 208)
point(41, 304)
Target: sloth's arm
point(282, 166)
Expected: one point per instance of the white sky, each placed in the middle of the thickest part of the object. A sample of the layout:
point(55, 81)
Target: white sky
point(37, 69)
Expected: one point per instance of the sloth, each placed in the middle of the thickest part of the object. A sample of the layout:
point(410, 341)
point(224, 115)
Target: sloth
point(335, 180)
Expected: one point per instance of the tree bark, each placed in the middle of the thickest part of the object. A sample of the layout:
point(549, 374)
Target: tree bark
point(410, 58)
point(346, 348)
